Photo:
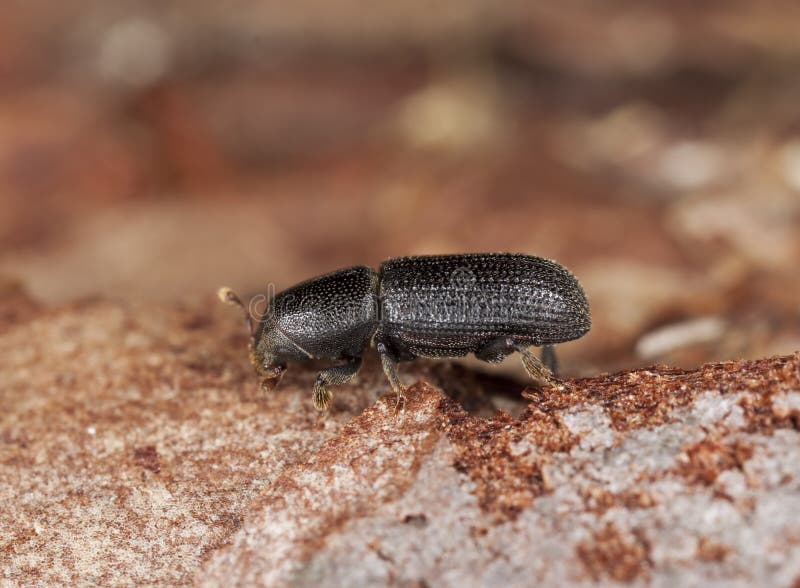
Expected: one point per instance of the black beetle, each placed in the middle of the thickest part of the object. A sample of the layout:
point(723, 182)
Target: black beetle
point(489, 304)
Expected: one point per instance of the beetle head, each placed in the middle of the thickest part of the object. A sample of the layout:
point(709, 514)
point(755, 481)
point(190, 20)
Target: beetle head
point(266, 363)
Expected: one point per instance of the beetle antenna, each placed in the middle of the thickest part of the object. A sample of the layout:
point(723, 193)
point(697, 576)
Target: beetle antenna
point(229, 297)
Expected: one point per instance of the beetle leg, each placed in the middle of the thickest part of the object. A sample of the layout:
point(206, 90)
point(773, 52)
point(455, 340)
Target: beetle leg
point(390, 369)
point(533, 365)
point(496, 350)
point(549, 358)
point(333, 376)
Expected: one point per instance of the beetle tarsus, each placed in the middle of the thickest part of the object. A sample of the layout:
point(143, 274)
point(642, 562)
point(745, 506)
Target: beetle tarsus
point(534, 366)
point(321, 397)
point(333, 376)
point(400, 400)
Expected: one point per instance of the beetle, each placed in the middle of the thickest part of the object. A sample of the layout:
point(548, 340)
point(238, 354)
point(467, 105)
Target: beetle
point(488, 304)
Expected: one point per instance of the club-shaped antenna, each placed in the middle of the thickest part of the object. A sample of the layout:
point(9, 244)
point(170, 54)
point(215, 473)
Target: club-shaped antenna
point(229, 297)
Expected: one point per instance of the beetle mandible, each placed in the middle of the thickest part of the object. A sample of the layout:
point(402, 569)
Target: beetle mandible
point(488, 304)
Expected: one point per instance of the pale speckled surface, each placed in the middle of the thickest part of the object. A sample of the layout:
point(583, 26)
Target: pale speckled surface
point(130, 441)
point(136, 448)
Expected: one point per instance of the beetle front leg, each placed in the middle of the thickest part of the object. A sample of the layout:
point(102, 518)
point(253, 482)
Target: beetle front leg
point(333, 376)
point(389, 364)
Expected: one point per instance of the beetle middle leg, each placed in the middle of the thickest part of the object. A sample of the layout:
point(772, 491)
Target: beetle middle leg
point(333, 376)
point(389, 364)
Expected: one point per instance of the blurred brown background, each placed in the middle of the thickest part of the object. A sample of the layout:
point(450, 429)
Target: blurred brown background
point(151, 152)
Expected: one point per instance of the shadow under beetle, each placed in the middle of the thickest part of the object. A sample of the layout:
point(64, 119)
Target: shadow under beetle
point(489, 304)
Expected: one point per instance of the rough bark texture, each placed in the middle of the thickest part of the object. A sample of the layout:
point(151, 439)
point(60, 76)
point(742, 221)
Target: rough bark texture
point(135, 447)
point(153, 152)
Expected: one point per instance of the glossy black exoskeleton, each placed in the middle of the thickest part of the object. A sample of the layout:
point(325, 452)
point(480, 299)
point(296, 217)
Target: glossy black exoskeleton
point(489, 304)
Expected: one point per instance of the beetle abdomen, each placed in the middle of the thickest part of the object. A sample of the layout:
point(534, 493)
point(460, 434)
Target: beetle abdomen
point(452, 304)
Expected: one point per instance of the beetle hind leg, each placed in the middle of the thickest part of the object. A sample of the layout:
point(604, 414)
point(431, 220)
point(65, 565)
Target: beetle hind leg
point(496, 350)
point(540, 370)
point(537, 370)
point(333, 376)
point(549, 358)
